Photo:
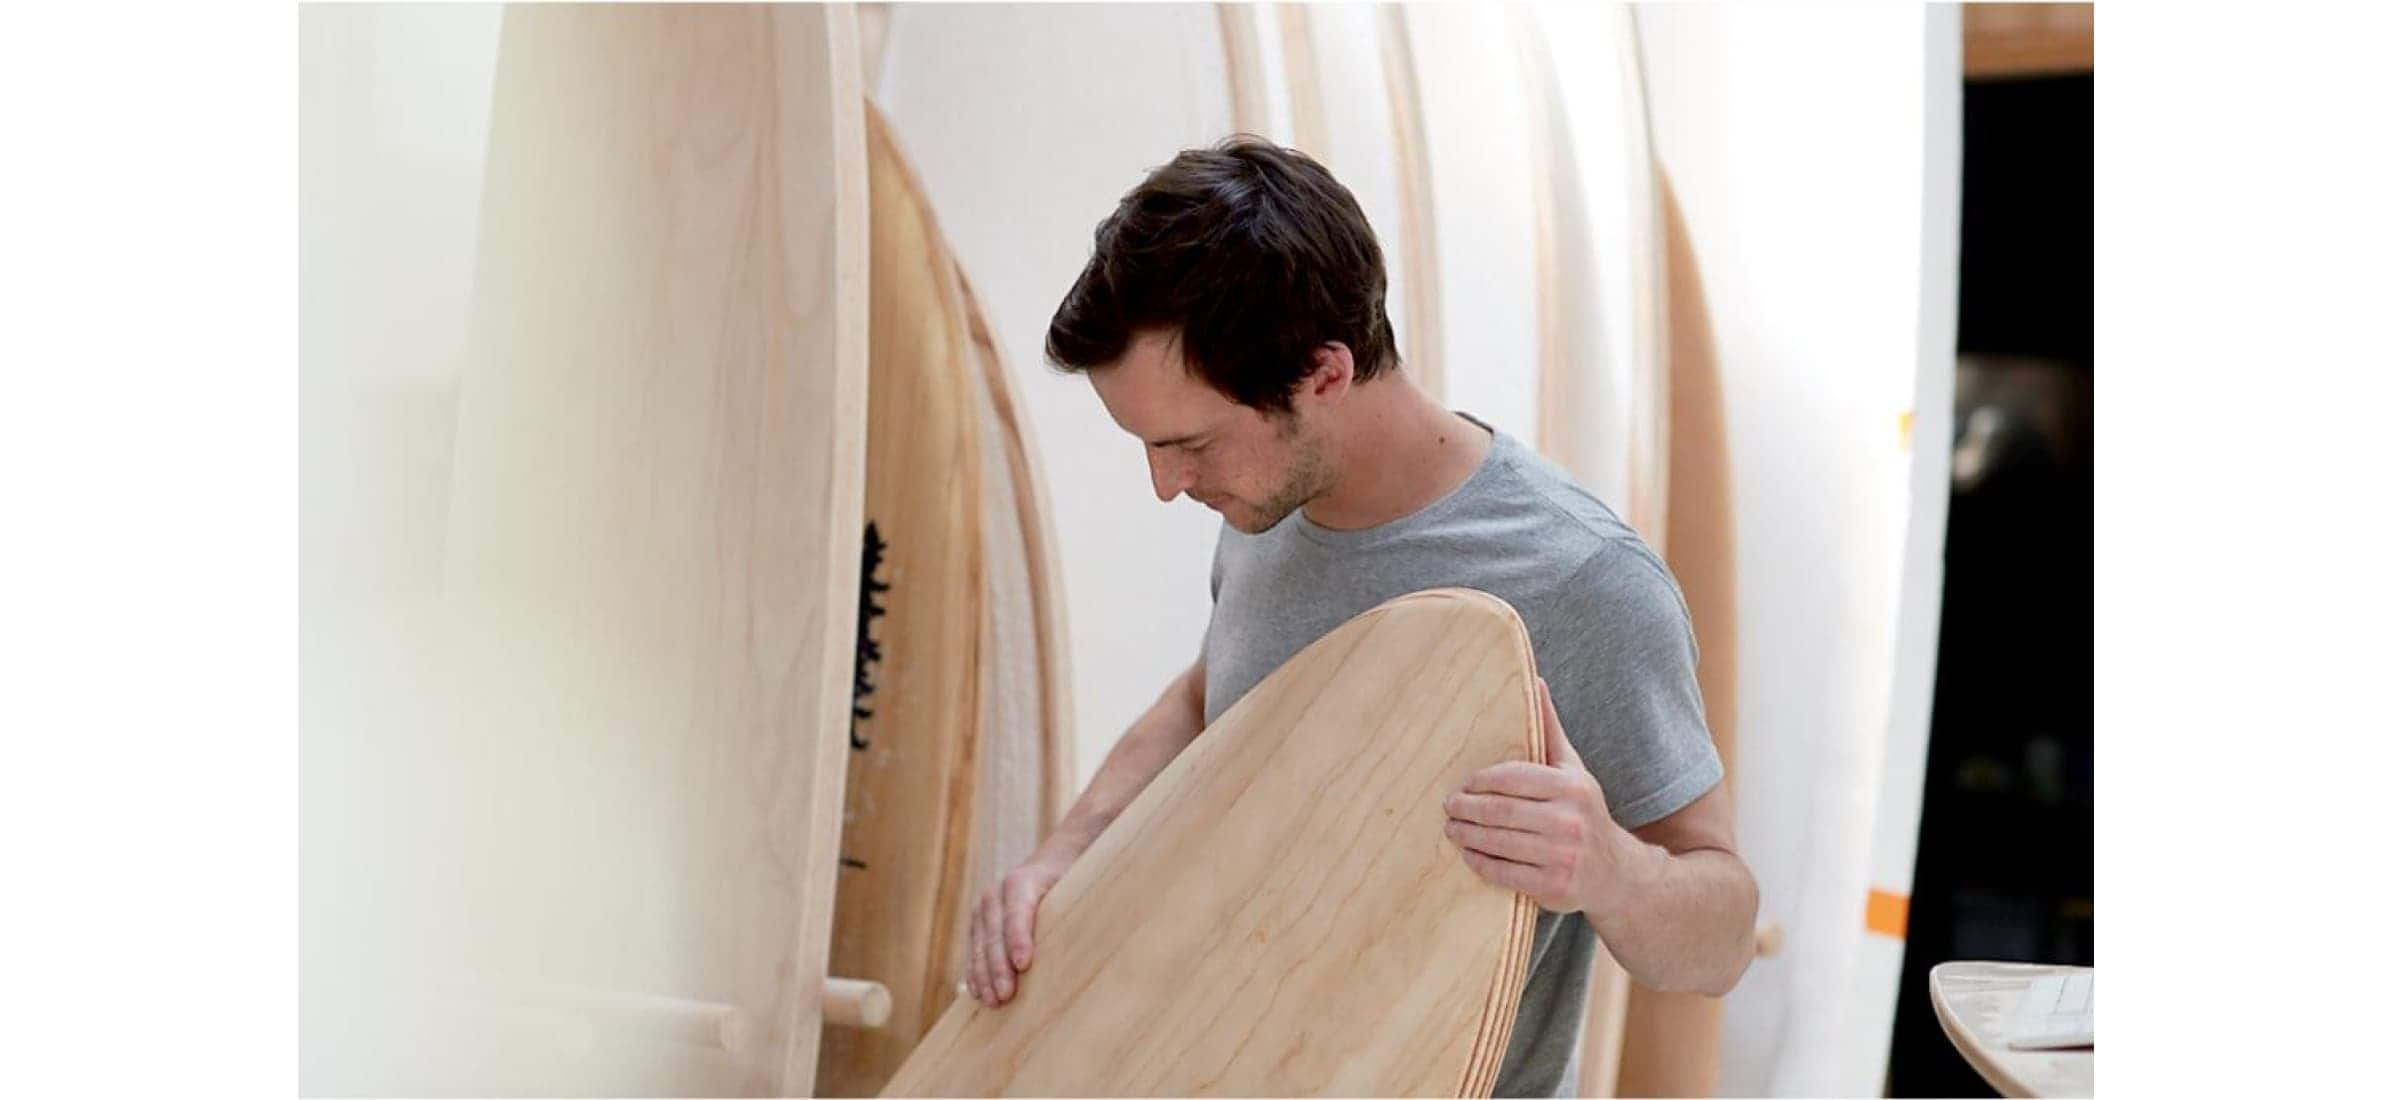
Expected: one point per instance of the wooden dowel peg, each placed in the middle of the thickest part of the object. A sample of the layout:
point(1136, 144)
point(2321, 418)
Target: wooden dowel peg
point(851, 1002)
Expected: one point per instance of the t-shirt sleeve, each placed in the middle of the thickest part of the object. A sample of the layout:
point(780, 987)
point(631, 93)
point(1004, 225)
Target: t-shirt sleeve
point(1622, 674)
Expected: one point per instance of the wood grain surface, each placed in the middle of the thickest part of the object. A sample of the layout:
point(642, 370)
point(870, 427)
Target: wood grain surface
point(1279, 912)
point(1057, 751)
point(913, 773)
point(656, 496)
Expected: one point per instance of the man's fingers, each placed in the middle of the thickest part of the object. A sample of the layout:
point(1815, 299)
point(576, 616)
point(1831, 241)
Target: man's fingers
point(1501, 872)
point(1519, 779)
point(1498, 811)
point(971, 959)
point(1021, 919)
point(1000, 971)
point(1510, 844)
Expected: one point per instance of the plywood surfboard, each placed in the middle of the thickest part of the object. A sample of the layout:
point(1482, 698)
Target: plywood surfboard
point(1042, 576)
point(1671, 1046)
point(650, 555)
point(1278, 912)
point(914, 771)
point(991, 102)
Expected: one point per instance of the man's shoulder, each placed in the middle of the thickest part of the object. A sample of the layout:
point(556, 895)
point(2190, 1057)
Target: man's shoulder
point(1550, 510)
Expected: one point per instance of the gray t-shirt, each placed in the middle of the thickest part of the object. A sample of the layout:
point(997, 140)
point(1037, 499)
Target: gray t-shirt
point(1611, 635)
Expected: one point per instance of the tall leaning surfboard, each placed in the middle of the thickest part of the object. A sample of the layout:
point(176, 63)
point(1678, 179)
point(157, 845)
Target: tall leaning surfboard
point(991, 104)
point(650, 559)
point(1672, 1040)
point(961, 756)
point(913, 769)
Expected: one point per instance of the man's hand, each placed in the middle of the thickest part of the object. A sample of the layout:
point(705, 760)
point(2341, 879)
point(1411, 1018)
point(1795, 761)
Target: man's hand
point(1002, 924)
point(1542, 829)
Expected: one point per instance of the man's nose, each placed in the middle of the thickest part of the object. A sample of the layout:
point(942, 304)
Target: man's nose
point(1171, 475)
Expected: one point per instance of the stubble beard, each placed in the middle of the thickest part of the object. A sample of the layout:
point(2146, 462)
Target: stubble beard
point(1308, 476)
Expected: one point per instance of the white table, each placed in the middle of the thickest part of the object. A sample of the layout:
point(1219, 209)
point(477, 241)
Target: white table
point(1973, 1000)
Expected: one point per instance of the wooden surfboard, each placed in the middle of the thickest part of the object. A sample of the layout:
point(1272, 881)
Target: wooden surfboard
point(1279, 913)
point(650, 557)
point(913, 773)
point(991, 104)
point(1048, 639)
point(1671, 1046)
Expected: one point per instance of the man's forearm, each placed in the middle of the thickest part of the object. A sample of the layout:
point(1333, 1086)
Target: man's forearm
point(1151, 743)
point(1685, 921)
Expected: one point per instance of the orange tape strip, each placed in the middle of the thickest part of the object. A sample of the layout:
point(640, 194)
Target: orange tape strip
point(1889, 914)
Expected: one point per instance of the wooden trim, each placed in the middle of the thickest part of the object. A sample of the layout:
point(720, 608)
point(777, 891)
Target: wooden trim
point(1241, 50)
point(2016, 40)
point(1546, 149)
point(1305, 112)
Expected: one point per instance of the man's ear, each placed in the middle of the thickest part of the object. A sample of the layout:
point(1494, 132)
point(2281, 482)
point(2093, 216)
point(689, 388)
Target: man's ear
point(1332, 372)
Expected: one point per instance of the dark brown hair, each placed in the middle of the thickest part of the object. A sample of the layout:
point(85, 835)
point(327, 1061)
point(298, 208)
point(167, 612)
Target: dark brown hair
point(1254, 253)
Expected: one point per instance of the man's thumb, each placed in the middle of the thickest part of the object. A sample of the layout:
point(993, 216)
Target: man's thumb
point(1559, 752)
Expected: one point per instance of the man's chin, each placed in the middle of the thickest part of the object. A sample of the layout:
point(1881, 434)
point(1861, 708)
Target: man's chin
point(1249, 522)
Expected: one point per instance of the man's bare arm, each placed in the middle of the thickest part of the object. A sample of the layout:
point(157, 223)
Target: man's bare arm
point(1006, 916)
point(1682, 918)
point(1152, 742)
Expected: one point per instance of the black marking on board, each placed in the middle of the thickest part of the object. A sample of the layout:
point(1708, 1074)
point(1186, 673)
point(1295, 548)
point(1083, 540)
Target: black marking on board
point(867, 651)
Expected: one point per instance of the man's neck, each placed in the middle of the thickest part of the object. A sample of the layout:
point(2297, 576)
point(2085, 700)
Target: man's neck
point(1400, 452)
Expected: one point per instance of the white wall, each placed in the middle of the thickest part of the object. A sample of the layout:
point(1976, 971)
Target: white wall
point(1796, 139)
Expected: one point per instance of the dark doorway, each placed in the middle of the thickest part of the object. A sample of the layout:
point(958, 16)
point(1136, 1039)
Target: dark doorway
point(2005, 856)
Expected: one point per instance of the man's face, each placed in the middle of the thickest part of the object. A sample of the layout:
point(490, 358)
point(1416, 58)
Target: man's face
point(1251, 468)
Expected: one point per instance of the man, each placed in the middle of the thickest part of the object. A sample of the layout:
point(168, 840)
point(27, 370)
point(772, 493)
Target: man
point(1233, 318)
